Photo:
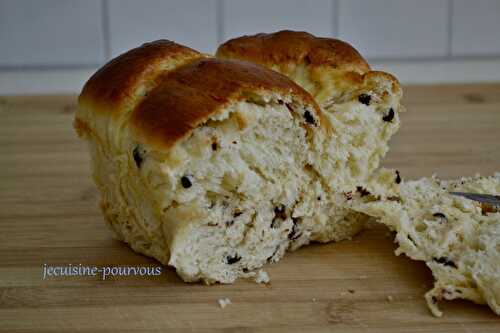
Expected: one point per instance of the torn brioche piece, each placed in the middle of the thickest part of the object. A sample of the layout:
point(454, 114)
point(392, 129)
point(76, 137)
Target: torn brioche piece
point(211, 166)
point(362, 105)
point(459, 239)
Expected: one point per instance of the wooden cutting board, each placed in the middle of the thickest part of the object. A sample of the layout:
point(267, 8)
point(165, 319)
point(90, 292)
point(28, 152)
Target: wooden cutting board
point(49, 215)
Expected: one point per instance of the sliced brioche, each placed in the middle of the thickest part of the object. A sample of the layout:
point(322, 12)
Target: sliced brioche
point(459, 239)
point(212, 166)
point(362, 105)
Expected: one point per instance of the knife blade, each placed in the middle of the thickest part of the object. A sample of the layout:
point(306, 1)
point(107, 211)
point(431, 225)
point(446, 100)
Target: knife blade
point(489, 199)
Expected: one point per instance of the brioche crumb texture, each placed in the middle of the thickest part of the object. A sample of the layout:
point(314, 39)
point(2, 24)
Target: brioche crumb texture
point(363, 116)
point(362, 110)
point(240, 191)
point(459, 239)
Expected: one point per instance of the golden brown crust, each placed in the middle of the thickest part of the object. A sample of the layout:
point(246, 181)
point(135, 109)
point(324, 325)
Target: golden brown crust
point(327, 68)
point(373, 76)
point(189, 95)
point(82, 129)
point(295, 47)
point(164, 90)
point(117, 82)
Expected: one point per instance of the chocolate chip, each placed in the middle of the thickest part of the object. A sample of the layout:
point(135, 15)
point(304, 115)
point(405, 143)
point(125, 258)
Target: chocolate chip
point(434, 299)
point(362, 191)
point(280, 102)
point(389, 116)
point(487, 208)
point(237, 213)
point(294, 234)
point(348, 195)
point(289, 107)
point(214, 146)
point(364, 99)
point(309, 118)
point(279, 213)
point(352, 291)
point(445, 261)
point(440, 215)
point(136, 153)
point(233, 259)
point(229, 223)
point(234, 142)
point(186, 183)
point(318, 198)
point(398, 177)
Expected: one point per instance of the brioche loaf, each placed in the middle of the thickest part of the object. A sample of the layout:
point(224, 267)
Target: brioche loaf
point(459, 239)
point(215, 166)
point(361, 105)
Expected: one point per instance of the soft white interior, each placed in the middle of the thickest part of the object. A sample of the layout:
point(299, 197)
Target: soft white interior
point(360, 132)
point(360, 138)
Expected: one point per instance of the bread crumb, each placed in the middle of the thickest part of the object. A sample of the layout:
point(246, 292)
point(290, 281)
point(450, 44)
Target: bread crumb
point(390, 298)
point(314, 299)
point(223, 302)
point(262, 277)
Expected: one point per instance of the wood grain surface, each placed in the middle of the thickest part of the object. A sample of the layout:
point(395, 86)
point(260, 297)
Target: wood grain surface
point(49, 215)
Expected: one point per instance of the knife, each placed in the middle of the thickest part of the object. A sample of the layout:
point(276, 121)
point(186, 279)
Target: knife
point(493, 200)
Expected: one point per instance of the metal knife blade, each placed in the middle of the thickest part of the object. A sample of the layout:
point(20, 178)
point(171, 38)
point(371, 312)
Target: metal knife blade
point(489, 199)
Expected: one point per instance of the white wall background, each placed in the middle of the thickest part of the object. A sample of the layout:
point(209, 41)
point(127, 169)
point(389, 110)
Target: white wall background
point(50, 46)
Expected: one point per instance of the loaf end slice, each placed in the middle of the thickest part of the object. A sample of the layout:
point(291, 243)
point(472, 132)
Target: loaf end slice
point(459, 239)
